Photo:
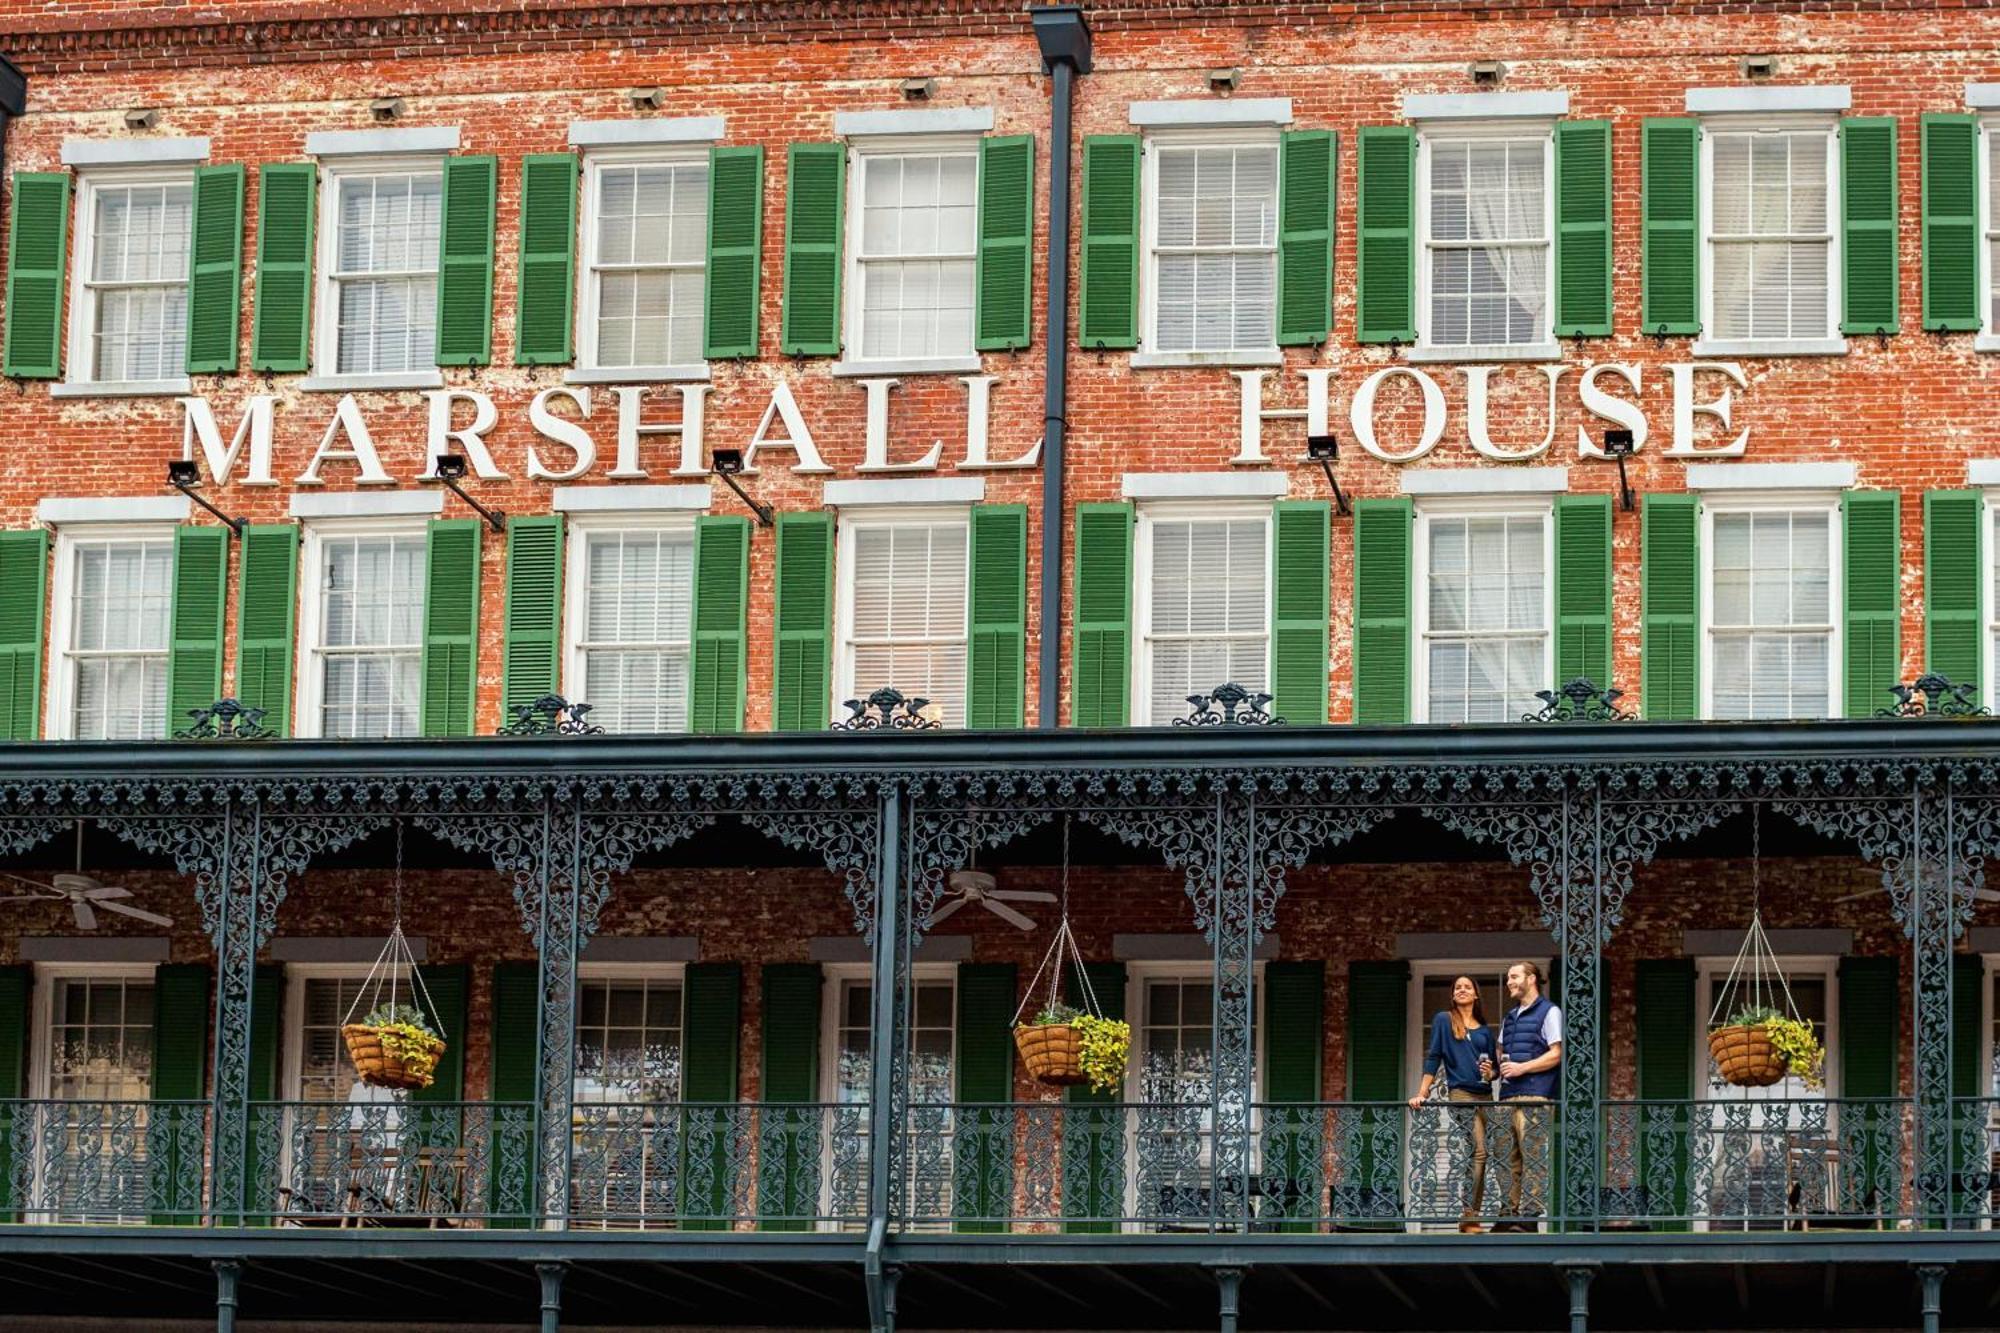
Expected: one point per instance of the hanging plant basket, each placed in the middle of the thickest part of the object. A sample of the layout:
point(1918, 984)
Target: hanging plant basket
point(1052, 1053)
point(1064, 1045)
point(395, 1044)
point(393, 1055)
point(1745, 1057)
point(1763, 1039)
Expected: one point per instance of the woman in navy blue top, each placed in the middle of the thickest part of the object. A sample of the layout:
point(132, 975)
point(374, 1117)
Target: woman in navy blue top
point(1461, 1052)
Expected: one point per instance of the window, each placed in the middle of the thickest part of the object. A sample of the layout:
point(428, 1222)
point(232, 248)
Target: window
point(933, 1040)
point(366, 646)
point(1214, 252)
point(1484, 615)
point(1176, 1040)
point(379, 316)
point(634, 627)
point(1771, 651)
point(903, 614)
point(1431, 995)
point(628, 1040)
point(645, 277)
point(913, 272)
point(322, 1004)
point(132, 276)
point(1810, 982)
point(1770, 234)
point(1204, 607)
point(100, 1036)
point(1989, 138)
point(1990, 515)
point(114, 602)
point(1485, 211)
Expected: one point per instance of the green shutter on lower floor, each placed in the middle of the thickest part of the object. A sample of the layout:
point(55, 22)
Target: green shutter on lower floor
point(1670, 225)
point(215, 270)
point(1951, 231)
point(1968, 1019)
point(788, 1197)
point(815, 208)
point(17, 990)
point(1004, 287)
point(532, 648)
point(1954, 525)
point(287, 195)
point(1665, 1031)
point(735, 251)
point(1101, 646)
point(451, 626)
point(1870, 1021)
point(266, 614)
point(721, 602)
point(1971, 1119)
point(1294, 1044)
point(1382, 573)
point(545, 300)
point(997, 646)
point(1300, 537)
point(1669, 624)
point(982, 1128)
point(445, 986)
point(1583, 589)
point(1385, 260)
point(267, 995)
point(465, 261)
point(711, 1025)
point(1869, 278)
point(174, 1138)
point(1108, 270)
point(512, 1076)
point(1377, 1052)
point(1305, 236)
point(802, 613)
point(1583, 229)
point(1871, 599)
point(194, 654)
point(24, 572)
point(37, 258)
point(1093, 1123)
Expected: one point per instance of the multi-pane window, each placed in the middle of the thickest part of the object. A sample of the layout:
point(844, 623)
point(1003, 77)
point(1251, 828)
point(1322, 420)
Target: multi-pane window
point(628, 1041)
point(1177, 1040)
point(1485, 606)
point(933, 1042)
point(917, 253)
point(648, 262)
point(1207, 609)
point(638, 606)
point(1805, 989)
point(325, 1072)
point(1993, 600)
point(1487, 241)
point(135, 284)
point(370, 646)
point(1990, 136)
point(1771, 613)
point(120, 596)
point(1770, 234)
point(905, 627)
point(1215, 247)
point(100, 1038)
point(384, 278)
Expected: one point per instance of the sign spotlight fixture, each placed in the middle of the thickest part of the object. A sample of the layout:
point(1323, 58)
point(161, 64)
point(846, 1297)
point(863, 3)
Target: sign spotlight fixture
point(184, 476)
point(450, 469)
point(728, 465)
point(1325, 450)
point(1618, 444)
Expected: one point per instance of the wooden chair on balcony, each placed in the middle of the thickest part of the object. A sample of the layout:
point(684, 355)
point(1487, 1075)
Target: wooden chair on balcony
point(375, 1197)
point(1816, 1163)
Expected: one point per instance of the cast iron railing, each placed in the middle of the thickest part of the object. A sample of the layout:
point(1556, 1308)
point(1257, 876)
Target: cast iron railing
point(103, 1162)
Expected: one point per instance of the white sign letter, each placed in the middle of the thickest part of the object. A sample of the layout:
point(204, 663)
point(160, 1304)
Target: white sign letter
point(796, 438)
point(978, 411)
point(1686, 409)
point(631, 401)
point(563, 431)
point(199, 428)
point(1477, 428)
point(1362, 415)
point(360, 448)
point(1255, 414)
point(1614, 410)
point(471, 440)
point(875, 453)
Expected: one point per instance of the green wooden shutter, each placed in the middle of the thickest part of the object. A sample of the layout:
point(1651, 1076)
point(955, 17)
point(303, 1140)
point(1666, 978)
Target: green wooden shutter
point(1294, 1041)
point(1971, 1116)
point(1108, 281)
point(1377, 1054)
point(544, 304)
point(1101, 668)
point(1300, 533)
point(711, 1024)
point(1583, 229)
point(1870, 1004)
point(267, 996)
point(174, 1140)
point(266, 615)
point(1665, 1030)
point(1583, 589)
point(465, 261)
point(735, 250)
point(194, 656)
point(1954, 526)
point(983, 1126)
point(1382, 573)
point(287, 194)
point(1872, 599)
point(788, 1194)
point(1869, 280)
point(721, 599)
point(1094, 1125)
point(17, 989)
point(1951, 222)
point(451, 626)
point(815, 203)
point(24, 571)
point(513, 1055)
point(1669, 626)
point(1670, 230)
point(1305, 236)
point(215, 270)
point(445, 984)
point(996, 652)
point(37, 248)
point(1386, 252)
point(1006, 271)
point(533, 648)
point(802, 681)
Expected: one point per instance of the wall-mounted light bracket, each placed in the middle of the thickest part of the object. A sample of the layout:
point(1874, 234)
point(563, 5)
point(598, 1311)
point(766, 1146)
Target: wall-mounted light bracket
point(184, 476)
point(727, 464)
point(1325, 450)
point(451, 471)
point(1618, 444)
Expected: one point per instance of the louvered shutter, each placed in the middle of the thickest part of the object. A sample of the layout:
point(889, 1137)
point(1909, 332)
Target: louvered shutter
point(514, 1047)
point(996, 653)
point(1870, 1023)
point(721, 597)
point(1971, 1163)
point(24, 570)
point(1954, 564)
point(451, 626)
point(194, 654)
point(1583, 229)
point(544, 303)
point(983, 1125)
point(710, 1024)
point(735, 250)
point(1108, 275)
point(1872, 599)
point(1386, 259)
point(37, 250)
point(533, 649)
point(815, 203)
point(1583, 589)
point(1093, 1125)
point(215, 270)
point(1101, 669)
point(788, 1194)
point(465, 261)
point(1294, 1040)
point(174, 1140)
point(1669, 575)
point(1869, 280)
point(1006, 269)
point(1669, 205)
point(802, 684)
point(266, 618)
point(1300, 537)
point(287, 193)
point(445, 986)
point(1377, 1054)
point(17, 989)
point(1951, 222)
point(1665, 1032)
point(1305, 237)
point(267, 993)
point(1382, 593)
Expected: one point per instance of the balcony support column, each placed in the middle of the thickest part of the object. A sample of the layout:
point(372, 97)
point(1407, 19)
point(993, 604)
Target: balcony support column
point(1579, 1277)
point(1931, 1277)
point(228, 1272)
point(1580, 940)
point(895, 945)
point(551, 1276)
point(1229, 1292)
point(1235, 929)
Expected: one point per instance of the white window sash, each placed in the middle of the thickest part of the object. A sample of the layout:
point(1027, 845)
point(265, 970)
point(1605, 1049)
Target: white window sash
point(312, 653)
point(576, 595)
point(846, 640)
point(1714, 127)
point(1426, 140)
point(1428, 513)
point(591, 269)
point(652, 976)
point(1144, 638)
point(1154, 251)
point(861, 157)
point(86, 316)
point(326, 313)
point(1772, 502)
point(42, 1079)
point(1712, 973)
point(1989, 232)
point(59, 708)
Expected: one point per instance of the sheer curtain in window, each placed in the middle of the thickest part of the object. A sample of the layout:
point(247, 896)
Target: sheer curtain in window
point(1210, 610)
point(1487, 628)
point(118, 639)
point(1771, 235)
point(1215, 248)
point(918, 254)
point(1489, 242)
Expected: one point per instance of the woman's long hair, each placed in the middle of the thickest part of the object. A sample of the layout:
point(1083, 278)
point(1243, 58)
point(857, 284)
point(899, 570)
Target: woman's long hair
point(1458, 1028)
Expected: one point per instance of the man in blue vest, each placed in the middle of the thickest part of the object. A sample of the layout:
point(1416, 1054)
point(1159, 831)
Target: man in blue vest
point(1531, 1052)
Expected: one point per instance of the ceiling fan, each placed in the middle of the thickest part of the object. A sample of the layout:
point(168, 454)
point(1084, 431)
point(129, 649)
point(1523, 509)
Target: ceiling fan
point(82, 892)
point(976, 886)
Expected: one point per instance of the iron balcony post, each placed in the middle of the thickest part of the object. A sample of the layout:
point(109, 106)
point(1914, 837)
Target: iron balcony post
point(885, 1095)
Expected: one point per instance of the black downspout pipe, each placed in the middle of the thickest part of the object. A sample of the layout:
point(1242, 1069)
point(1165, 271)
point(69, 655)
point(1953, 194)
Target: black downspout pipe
point(1065, 44)
point(13, 100)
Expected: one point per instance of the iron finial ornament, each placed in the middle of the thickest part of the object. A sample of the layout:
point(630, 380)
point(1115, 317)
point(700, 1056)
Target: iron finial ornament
point(1579, 701)
point(1941, 698)
point(887, 710)
point(1229, 705)
point(224, 720)
point(550, 715)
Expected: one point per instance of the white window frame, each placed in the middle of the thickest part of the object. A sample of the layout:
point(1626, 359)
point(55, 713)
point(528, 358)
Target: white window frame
point(1236, 136)
point(1147, 515)
point(1833, 343)
point(1139, 974)
point(58, 711)
point(292, 1015)
point(310, 693)
point(1736, 502)
point(587, 301)
point(650, 974)
point(883, 516)
point(1711, 971)
point(580, 528)
point(1419, 1021)
point(860, 151)
point(1989, 608)
point(1483, 506)
point(1989, 974)
point(834, 979)
point(41, 1078)
point(83, 300)
point(326, 303)
point(1988, 337)
point(1544, 347)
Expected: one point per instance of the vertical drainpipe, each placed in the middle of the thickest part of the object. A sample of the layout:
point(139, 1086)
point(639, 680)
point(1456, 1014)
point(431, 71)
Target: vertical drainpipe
point(1065, 44)
point(13, 101)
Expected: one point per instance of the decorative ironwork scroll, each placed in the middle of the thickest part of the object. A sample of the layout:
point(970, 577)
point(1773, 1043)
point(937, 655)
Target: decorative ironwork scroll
point(1579, 701)
point(887, 710)
point(550, 715)
point(1940, 698)
point(1229, 706)
point(225, 720)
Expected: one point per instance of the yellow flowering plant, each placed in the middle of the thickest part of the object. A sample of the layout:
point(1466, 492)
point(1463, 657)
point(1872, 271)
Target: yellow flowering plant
point(1792, 1039)
point(1103, 1044)
point(407, 1037)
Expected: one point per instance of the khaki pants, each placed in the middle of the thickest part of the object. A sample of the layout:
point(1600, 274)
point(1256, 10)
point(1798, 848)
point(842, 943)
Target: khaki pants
point(1475, 1196)
point(1520, 1162)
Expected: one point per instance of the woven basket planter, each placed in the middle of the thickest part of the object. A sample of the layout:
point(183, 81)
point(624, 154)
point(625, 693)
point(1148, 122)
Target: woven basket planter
point(1745, 1057)
point(375, 1064)
point(1052, 1052)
